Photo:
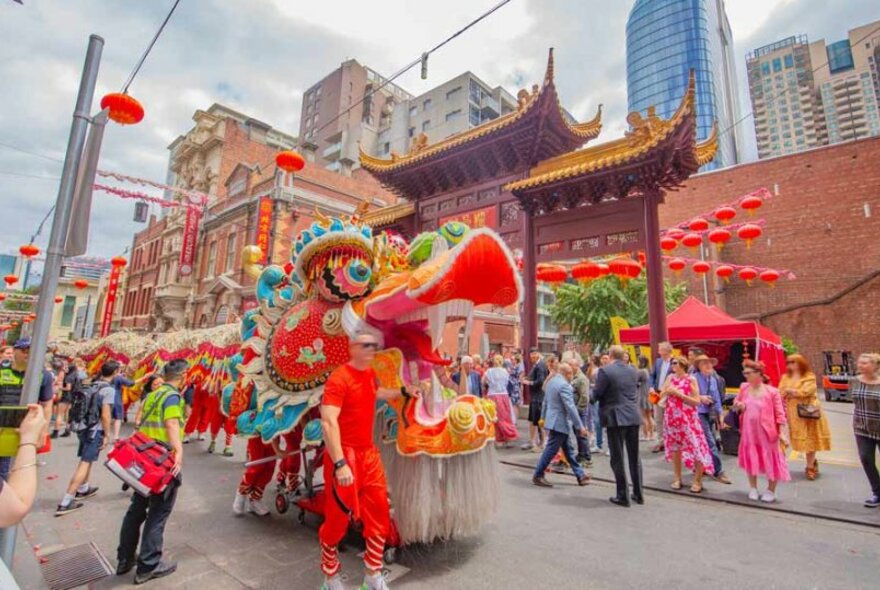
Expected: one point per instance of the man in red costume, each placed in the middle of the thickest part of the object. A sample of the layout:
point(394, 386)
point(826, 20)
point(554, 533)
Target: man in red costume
point(249, 497)
point(356, 488)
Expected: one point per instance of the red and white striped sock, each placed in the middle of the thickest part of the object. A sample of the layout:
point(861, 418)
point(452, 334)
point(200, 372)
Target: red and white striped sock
point(228, 439)
point(329, 560)
point(373, 554)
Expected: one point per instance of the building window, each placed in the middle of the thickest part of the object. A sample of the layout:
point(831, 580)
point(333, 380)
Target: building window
point(230, 252)
point(212, 260)
point(426, 125)
point(413, 110)
point(412, 131)
point(426, 106)
point(453, 115)
point(452, 94)
point(474, 116)
point(765, 68)
point(67, 311)
point(789, 61)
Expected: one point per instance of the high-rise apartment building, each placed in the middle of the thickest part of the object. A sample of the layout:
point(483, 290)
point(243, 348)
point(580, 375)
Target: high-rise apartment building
point(810, 94)
point(331, 131)
point(455, 106)
point(665, 40)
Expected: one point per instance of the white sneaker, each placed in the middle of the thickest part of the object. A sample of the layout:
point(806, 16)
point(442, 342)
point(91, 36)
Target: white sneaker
point(203, 436)
point(238, 505)
point(334, 583)
point(257, 507)
point(375, 582)
point(753, 494)
point(768, 497)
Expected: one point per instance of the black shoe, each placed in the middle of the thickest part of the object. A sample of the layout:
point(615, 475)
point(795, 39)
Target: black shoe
point(619, 501)
point(124, 566)
point(66, 433)
point(72, 507)
point(54, 434)
point(541, 482)
point(87, 494)
point(164, 568)
point(638, 499)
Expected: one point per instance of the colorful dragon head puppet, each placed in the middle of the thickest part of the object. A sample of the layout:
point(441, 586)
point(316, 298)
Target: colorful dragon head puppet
point(343, 280)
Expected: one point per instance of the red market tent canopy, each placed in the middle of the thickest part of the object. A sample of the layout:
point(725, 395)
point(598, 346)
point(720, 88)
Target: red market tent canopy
point(695, 322)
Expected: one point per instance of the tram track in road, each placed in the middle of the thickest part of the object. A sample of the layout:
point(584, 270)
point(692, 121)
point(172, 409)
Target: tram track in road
point(775, 508)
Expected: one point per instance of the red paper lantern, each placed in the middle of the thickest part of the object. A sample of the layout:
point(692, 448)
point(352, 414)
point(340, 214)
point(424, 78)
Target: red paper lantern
point(698, 224)
point(59, 299)
point(604, 269)
point(80, 283)
point(751, 203)
point(725, 272)
point(584, 272)
point(675, 233)
point(749, 232)
point(724, 214)
point(289, 161)
point(668, 244)
point(643, 258)
point(10, 280)
point(692, 241)
point(719, 237)
point(124, 109)
point(701, 267)
point(29, 250)
point(553, 274)
point(2, 296)
point(677, 265)
point(118, 261)
point(770, 276)
point(26, 320)
point(625, 268)
point(748, 274)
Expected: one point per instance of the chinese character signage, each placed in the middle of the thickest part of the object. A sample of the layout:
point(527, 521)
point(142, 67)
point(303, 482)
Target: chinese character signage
point(264, 227)
point(110, 303)
point(485, 217)
point(190, 235)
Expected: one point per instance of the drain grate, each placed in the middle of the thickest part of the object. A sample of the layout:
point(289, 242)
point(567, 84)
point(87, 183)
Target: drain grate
point(75, 566)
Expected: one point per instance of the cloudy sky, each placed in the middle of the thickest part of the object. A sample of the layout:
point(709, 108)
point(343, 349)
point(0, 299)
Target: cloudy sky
point(258, 56)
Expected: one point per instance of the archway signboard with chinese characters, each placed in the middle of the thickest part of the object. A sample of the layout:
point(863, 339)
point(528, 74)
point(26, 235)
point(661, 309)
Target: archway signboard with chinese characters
point(527, 175)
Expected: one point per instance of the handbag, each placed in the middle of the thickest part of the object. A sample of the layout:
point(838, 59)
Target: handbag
point(809, 411)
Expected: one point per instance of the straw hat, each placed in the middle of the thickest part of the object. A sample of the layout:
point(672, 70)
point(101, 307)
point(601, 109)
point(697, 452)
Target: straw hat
point(704, 357)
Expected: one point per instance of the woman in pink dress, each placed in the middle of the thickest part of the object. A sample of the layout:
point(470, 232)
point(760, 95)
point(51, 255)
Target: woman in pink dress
point(495, 382)
point(762, 427)
point(683, 436)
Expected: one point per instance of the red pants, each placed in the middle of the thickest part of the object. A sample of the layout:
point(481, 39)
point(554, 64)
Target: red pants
point(367, 498)
point(256, 478)
point(200, 417)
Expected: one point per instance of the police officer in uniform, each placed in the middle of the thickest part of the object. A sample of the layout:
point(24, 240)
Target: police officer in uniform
point(162, 420)
point(11, 384)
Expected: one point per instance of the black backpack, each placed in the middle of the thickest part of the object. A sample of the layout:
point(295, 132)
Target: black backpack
point(85, 409)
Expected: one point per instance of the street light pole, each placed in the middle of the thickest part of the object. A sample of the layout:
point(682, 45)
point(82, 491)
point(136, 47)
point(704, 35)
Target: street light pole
point(56, 248)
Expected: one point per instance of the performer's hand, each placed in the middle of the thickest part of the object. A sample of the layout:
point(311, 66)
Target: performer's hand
point(344, 476)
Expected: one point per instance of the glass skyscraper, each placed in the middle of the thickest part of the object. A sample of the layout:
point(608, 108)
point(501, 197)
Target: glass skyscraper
point(665, 39)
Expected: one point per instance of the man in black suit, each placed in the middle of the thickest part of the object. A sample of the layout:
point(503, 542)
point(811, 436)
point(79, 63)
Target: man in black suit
point(617, 393)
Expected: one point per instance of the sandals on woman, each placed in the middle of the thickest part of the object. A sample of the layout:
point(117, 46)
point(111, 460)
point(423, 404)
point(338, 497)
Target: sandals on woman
point(676, 485)
point(813, 472)
point(697, 488)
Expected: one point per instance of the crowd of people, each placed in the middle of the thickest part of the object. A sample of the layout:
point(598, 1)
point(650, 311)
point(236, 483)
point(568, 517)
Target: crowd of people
point(680, 402)
point(575, 409)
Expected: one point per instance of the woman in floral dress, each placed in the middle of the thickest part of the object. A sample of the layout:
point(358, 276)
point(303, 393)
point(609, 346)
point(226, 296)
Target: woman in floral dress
point(683, 436)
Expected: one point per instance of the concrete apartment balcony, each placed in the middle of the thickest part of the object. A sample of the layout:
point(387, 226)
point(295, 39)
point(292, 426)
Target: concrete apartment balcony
point(332, 152)
point(489, 107)
point(172, 291)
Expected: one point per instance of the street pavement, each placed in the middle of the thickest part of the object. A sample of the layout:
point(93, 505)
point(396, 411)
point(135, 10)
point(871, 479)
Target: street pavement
point(565, 537)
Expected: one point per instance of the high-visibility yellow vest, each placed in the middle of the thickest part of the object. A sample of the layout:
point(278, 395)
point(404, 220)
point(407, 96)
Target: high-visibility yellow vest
point(155, 415)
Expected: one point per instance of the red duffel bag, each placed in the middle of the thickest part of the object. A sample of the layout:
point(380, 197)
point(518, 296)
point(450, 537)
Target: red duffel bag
point(143, 463)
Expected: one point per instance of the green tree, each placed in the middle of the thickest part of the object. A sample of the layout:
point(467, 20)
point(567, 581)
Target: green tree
point(587, 310)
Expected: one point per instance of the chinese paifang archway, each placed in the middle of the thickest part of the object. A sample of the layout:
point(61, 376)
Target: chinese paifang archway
point(527, 175)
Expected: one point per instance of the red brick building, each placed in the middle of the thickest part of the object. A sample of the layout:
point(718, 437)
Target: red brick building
point(824, 225)
point(140, 277)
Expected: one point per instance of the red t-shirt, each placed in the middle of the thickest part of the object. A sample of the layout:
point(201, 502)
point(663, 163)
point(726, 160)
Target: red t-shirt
point(354, 392)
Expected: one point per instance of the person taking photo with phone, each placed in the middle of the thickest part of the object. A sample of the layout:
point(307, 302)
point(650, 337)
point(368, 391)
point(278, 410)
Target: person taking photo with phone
point(18, 493)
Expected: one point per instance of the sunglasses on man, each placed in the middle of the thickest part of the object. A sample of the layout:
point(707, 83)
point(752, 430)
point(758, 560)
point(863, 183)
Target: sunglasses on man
point(368, 345)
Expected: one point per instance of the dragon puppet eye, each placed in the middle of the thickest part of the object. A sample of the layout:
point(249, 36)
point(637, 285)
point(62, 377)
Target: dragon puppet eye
point(344, 277)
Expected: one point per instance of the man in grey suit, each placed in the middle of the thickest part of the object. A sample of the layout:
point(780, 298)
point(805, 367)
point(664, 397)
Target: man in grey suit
point(559, 414)
point(617, 393)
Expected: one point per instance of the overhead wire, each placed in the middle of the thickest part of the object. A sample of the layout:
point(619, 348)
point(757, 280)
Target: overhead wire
point(143, 58)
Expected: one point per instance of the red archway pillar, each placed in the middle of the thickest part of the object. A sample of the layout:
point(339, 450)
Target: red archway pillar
point(530, 297)
point(656, 296)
